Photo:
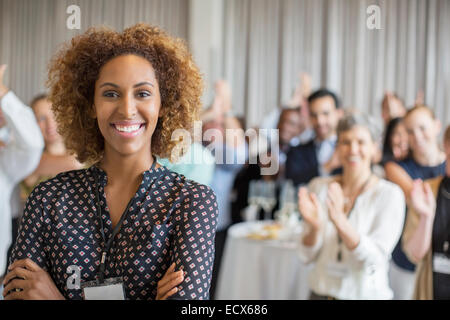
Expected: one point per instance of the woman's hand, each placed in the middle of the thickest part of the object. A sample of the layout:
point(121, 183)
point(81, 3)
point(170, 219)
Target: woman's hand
point(167, 286)
point(308, 205)
point(422, 199)
point(28, 281)
point(335, 203)
point(3, 88)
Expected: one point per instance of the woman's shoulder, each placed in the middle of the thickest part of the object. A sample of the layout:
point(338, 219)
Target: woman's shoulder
point(195, 201)
point(187, 188)
point(62, 182)
point(388, 190)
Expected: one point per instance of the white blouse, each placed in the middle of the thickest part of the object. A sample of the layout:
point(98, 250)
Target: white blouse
point(378, 217)
point(18, 159)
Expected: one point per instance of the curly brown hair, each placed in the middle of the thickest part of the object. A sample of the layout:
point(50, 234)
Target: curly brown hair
point(74, 70)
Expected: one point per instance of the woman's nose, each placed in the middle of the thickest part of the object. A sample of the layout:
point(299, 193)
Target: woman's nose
point(128, 106)
point(354, 147)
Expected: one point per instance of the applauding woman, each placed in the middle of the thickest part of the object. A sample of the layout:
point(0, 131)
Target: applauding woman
point(352, 221)
point(111, 231)
point(426, 238)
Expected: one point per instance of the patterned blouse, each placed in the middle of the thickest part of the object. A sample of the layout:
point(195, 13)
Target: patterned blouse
point(171, 219)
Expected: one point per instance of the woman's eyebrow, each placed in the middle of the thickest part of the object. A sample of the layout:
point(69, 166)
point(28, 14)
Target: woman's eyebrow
point(109, 84)
point(135, 86)
point(143, 83)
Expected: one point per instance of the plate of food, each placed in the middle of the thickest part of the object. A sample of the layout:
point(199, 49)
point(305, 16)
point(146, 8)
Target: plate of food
point(269, 231)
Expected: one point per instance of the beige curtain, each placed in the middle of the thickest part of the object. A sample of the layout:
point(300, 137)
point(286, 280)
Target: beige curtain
point(267, 43)
point(31, 30)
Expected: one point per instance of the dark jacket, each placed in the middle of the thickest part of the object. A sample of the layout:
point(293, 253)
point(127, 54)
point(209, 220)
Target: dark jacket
point(302, 164)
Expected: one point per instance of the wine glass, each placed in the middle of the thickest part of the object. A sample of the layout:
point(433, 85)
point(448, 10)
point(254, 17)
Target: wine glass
point(268, 197)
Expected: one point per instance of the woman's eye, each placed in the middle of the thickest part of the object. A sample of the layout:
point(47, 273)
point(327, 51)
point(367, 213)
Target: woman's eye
point(144, 94)
point(110, 94)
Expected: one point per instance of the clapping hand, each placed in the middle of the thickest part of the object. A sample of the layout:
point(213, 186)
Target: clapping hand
point(335, 202)
point(422, 199)
point(309, 208)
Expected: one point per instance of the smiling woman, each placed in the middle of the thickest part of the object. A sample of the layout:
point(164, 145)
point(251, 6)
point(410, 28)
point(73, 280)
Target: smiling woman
point(125, 221)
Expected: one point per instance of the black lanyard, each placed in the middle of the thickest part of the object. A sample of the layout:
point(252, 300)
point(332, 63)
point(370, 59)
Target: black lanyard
point(108, 244)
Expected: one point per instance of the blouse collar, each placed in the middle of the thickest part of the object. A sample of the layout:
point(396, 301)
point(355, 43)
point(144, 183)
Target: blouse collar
point(148, 175)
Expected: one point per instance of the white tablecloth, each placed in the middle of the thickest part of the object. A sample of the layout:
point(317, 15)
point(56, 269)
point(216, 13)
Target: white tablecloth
point(260, 269)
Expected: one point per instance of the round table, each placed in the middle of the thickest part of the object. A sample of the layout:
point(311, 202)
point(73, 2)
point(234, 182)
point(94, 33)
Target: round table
point(261, 269)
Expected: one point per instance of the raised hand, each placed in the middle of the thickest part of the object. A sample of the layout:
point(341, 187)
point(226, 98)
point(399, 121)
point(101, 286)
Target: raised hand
point(167, 286)
point(3, 88)
point(422, 199)
point(395, 106)
point(420, 98)
point(223, 90)
point(305, 84)
point(302, 91)
point(309, 206)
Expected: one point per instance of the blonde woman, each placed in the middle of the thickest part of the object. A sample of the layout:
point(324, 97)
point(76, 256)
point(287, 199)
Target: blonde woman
point(351, 221)
point(426, 237)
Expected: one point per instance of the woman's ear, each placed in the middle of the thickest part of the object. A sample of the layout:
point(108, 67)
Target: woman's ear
point(162, 112)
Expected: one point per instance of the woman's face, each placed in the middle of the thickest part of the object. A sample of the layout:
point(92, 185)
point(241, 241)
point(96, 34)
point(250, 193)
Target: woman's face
point(399, 142)
point(127, 103)
point(46, 120)
point(422, 131)
point(356, 148)
point(447, 149)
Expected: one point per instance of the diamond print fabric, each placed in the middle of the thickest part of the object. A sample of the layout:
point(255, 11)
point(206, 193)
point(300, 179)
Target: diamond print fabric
point(172, 219)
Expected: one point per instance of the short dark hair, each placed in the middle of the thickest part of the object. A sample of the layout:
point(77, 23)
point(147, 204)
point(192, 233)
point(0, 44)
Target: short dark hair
point(447, 135)
point(36, 99)
point(324, 93)
point(387, 144)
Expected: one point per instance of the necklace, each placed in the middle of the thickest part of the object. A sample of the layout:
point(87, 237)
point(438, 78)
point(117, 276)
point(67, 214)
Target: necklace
point(348, 199)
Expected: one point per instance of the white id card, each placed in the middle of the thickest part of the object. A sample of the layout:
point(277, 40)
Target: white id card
point(441, 263)
point(338, 269)
point(110, 289)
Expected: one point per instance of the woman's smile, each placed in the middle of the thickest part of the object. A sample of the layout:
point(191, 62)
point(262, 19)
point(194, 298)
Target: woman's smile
point(128, 129)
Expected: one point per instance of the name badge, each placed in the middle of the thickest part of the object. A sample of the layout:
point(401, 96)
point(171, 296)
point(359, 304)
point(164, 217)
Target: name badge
point(441, 263)
point(110, 289)
point(338, 269)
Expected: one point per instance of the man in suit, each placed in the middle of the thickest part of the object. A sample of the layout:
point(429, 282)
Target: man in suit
point(316, 157)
